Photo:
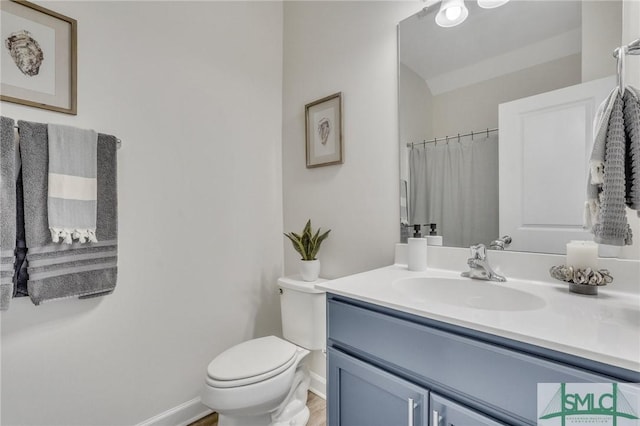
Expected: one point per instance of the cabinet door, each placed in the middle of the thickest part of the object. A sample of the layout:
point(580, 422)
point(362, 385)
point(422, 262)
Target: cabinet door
point(360, 394)
point(448, 413)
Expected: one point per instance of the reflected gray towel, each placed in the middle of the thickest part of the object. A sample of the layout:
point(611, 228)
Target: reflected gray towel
point(632, 163)
point(7, 210)
point(596, 162)
point(67, 270)
point(601, 123)
point(612, 227)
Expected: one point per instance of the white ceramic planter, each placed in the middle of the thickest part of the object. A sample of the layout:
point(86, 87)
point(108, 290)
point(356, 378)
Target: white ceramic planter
point(309, 269)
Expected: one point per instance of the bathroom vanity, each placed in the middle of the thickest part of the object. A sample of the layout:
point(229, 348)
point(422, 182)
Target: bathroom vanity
point(405, 350)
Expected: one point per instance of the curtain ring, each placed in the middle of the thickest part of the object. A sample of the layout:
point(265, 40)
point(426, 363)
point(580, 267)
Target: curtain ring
point(458, 137)
point(472, 135)
point(487, 132)
point(447, 138)
point(435, 141)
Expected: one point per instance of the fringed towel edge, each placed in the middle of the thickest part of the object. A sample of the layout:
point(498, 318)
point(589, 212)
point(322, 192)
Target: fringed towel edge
point(68, 235)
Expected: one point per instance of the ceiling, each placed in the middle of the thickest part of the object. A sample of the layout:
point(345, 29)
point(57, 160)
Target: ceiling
point(490, 42)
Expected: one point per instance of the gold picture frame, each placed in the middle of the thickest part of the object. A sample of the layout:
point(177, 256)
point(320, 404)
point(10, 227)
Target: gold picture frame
point(39, 57)
point(323, 130)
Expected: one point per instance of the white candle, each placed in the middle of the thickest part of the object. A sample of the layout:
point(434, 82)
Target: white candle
point(582, 254)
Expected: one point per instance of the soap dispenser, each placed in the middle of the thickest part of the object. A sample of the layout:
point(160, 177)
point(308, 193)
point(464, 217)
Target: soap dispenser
point(433, 239)
point(417, 251)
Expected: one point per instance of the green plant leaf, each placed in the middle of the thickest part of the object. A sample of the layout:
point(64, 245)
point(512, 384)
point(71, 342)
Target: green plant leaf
point(308, 242)
point(318, 239)
point(297, 243)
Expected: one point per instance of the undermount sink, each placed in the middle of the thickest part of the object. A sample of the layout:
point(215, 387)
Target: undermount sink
point(468, 293)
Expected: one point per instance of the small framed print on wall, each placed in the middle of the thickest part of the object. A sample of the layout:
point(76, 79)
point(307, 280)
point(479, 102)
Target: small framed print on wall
point(38, 58)
point(324, 131)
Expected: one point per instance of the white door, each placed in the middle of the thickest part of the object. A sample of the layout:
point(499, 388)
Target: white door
point(544, 148)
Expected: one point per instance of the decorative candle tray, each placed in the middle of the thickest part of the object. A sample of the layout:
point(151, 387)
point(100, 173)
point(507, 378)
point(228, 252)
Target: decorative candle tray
point(582, 280)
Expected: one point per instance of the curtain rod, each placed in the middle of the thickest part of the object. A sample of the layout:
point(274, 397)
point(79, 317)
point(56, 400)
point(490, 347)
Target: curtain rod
point(448, 138)
point(118, 141)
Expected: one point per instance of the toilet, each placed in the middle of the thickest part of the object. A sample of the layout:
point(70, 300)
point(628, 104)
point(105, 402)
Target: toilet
point(264, 381)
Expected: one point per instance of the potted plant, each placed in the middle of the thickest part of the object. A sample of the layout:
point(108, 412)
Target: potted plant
point(308, 245)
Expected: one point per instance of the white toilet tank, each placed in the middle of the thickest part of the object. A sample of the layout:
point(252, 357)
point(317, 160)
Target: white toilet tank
point(304, 312)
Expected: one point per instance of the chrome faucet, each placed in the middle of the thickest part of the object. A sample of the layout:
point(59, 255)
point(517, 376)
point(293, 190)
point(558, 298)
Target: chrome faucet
point(500, 243)
point(479, 265)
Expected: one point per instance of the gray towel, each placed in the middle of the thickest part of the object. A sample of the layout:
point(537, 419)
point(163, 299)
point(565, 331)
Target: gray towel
point(612, 227)
point(596, 162)
point(60, 271)
point(21, 277)
point(72, 183)
point(632, 164)
point(601, 124)
point(7, 210)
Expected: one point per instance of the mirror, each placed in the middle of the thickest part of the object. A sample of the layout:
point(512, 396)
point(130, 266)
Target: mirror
point(460, 91)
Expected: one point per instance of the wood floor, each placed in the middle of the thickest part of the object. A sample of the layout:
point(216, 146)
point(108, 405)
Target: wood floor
point(317, 407)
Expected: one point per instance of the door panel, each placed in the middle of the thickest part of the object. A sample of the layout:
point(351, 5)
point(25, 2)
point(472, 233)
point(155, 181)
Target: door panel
point(363, 395)
point(545, 144)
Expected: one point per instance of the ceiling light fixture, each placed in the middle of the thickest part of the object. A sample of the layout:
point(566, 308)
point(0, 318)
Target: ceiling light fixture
point(454, 12)
point(451, 13)
point(491, 4)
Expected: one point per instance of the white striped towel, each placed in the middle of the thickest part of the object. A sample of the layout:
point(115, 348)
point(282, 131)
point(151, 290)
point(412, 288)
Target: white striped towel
point(72, 193)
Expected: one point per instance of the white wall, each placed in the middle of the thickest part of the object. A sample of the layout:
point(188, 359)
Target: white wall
point(601, 30)
point(194, 90)
point(416, 105)
point(348, 47)
point(475, 107)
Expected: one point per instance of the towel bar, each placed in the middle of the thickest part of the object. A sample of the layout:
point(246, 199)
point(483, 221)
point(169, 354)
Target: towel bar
point(118, 140)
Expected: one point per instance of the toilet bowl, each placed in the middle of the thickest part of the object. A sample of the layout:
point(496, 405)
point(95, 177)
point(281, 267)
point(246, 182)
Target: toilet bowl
point(264, 381)
point(249, 382)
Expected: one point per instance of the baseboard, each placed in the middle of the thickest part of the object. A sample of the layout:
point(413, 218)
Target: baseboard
point(190, 411)
point(318, 385)
point(182, 415)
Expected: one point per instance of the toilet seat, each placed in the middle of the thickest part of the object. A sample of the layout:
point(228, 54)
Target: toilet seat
point(251, 362)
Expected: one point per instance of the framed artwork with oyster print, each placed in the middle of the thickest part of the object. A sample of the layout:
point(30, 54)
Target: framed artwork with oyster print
point(39, 57)
point(324, 131)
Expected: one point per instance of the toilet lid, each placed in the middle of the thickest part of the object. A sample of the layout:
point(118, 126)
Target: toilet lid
point(251, 358)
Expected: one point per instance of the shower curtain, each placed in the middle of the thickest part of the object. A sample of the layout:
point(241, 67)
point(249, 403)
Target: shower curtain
point(455, 186)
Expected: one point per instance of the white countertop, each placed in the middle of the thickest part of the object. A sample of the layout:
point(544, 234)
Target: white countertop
point(603, 328)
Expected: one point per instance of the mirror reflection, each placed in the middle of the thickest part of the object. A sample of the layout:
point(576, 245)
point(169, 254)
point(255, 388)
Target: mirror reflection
point(495, 119)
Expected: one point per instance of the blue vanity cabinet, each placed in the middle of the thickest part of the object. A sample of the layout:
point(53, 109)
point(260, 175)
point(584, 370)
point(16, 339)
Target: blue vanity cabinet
point(378, 358)
point(364, 395)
